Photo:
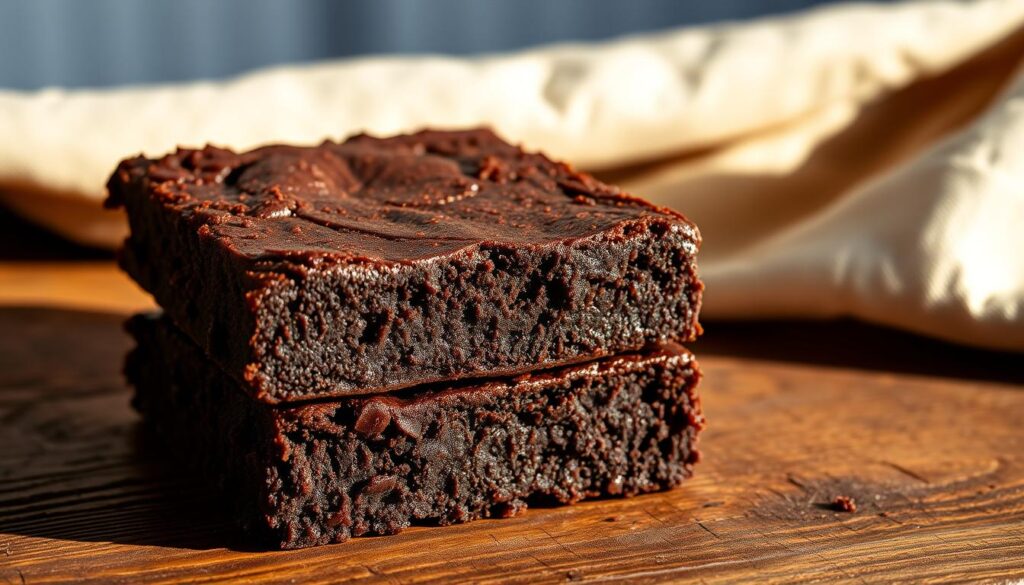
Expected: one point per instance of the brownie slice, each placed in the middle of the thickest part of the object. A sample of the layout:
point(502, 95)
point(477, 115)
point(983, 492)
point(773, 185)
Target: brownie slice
point(378, 264)
point(302, 475)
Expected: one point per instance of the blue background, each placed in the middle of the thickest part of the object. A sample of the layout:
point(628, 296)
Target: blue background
point(78, 43)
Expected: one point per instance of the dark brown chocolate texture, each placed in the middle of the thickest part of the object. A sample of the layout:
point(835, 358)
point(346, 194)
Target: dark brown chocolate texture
point(322, 472)
point(378, 264)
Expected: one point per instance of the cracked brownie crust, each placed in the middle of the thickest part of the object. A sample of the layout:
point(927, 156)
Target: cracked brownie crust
point(322, 472)
point(378, 264)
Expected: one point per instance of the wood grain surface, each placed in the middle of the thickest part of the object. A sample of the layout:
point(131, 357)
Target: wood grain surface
point(799, 414)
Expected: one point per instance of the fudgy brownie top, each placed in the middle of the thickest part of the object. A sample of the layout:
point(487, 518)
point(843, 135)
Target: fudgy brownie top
point(385, 200)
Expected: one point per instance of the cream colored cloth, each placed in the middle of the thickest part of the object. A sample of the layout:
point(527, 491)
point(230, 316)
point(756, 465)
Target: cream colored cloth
point(859, 160)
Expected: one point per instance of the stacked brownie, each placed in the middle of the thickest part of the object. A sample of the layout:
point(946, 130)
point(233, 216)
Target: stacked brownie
point(433, 327)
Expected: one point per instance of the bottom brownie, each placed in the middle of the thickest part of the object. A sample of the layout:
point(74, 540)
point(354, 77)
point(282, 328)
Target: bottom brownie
point(321, 472)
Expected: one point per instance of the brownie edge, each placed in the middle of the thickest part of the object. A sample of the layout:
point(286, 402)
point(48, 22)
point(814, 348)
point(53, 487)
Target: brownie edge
point(323, 472)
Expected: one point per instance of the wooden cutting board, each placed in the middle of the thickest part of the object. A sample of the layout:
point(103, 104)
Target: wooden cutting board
point(927, 438)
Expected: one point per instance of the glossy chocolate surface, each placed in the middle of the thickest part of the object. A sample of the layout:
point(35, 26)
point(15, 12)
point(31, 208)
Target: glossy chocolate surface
point(397, 199)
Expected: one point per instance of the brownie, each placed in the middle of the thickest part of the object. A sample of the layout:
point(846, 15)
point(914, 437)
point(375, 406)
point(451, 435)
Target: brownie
point(320, 472)
point(378, 264)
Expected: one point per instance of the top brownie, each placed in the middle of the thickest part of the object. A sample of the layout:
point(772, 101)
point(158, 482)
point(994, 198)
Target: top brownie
point(377, 264)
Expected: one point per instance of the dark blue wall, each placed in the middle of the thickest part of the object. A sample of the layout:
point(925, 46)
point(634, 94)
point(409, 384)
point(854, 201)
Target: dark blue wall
point(79, 43)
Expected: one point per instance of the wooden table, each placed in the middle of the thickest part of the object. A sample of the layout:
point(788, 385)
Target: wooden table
point(927, 438)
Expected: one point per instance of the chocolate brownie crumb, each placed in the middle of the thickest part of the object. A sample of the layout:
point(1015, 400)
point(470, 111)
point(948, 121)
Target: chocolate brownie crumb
point(844, 504)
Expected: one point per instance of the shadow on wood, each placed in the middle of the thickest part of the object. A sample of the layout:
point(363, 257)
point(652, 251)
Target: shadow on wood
point(77, 465)
point(854, 345)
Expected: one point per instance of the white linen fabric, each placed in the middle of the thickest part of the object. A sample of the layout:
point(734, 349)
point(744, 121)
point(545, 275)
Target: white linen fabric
point(857, 160)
